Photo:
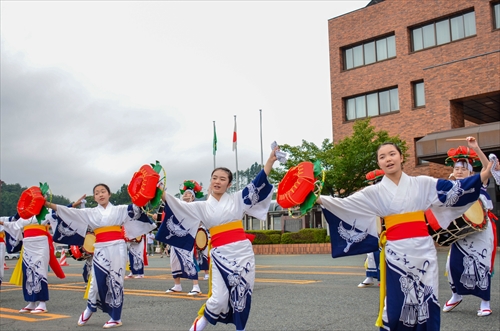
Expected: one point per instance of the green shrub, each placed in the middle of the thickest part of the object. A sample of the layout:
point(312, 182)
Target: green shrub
point(286, 238)
point(265, 237)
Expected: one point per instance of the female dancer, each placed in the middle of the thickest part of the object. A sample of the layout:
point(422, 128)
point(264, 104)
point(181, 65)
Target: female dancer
point(182, 263)
point(232, 259)
point(412, 279)
point(471, 259)
point(110, 253)
point(37, 255)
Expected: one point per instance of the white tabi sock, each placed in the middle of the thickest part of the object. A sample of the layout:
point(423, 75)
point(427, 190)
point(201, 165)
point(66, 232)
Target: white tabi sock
point(200, 324)
point(31, 305)
point(41, 305)
point(455, 298)
point(485, 304)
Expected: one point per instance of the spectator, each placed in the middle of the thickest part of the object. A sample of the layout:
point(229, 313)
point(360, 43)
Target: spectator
point(151, 243)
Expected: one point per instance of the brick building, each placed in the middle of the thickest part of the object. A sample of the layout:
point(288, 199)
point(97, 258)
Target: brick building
point(424, 70)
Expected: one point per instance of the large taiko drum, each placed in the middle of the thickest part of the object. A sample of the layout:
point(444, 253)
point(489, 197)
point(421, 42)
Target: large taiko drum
point(473, 220)
point(80, 253)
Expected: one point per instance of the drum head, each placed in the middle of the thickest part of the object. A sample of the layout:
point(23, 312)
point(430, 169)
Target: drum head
point(475, 214)
point(88, 244)
point(201, 240)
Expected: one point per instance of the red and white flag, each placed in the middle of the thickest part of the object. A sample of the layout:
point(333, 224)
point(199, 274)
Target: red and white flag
point(234, 135)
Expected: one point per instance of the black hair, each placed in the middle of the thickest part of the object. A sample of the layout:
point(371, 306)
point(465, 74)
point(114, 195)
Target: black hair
point(229, 173)
point(103, 185)
point(392, 144)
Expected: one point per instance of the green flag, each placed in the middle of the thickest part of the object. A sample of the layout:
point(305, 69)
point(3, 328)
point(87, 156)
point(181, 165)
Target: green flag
point(215, 140)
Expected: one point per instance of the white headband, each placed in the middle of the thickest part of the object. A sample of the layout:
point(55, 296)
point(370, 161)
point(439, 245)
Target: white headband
point(464, 164)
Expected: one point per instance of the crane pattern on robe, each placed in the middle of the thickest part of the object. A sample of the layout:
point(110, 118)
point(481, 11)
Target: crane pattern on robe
point(176, 230)
point(454, 194)
point(65, 231)
point(253, 194)
point(351, 236)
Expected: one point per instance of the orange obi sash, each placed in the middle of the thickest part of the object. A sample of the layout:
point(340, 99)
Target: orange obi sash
point(407, 225)
point(36, 230)
point(108, 233)
point(227, 233)
point(2, 236)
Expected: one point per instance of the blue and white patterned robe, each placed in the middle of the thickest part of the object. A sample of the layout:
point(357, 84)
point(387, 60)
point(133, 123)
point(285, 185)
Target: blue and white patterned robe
point(110, 258)
point(233, 265)
point(469, 263)
point(412, 271)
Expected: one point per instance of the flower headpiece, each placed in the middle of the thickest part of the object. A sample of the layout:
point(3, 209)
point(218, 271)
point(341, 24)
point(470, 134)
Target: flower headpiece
point(375, 175)
point(192, 185)
point(462, 153)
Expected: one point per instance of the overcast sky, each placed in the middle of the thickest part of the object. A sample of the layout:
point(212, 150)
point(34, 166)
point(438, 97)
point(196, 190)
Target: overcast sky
point(92, 90)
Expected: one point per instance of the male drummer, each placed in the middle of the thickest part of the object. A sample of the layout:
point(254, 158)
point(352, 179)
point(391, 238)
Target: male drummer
point(471, 259)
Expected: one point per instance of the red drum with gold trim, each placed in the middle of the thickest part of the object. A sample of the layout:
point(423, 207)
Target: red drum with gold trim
point(80, 253)
point(30, 202)
point(473, 220)
point(296, 185)
point(142, 187)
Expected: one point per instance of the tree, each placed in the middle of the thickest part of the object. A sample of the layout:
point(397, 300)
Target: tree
point(346, 162)
point(245, 176)
point(10, 194)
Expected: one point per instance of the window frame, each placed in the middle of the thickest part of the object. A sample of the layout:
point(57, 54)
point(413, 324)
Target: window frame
point(348, 52)
point(417, 34)
point(350, 104)
point(414, 86)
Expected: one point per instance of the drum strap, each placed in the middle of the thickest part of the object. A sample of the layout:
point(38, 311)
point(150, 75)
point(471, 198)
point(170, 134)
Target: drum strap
point(227, 233)
point(108, 233)
point(407, 225)
point(41, 230)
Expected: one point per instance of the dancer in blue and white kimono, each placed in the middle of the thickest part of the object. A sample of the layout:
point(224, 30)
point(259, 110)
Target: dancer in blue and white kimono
point(232, 260)
point(409, 270)
point(182, 261)
point(3, 246)
point(110, 250)
point(136, 257)
point(37, 254)
point(471, 259)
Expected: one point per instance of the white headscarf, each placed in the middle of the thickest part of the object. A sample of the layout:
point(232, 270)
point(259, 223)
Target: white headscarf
point(464, 164)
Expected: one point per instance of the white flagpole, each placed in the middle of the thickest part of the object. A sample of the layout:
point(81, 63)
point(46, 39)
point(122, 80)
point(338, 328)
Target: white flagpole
point(261, 151)
point(235, 148)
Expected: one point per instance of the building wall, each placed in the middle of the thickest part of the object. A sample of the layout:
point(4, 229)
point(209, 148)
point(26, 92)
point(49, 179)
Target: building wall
point(455, 70)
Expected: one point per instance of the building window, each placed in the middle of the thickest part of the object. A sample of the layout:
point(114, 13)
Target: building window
point(418, 94)
point(372, 104)
point(444, 31)
point(496, 15)
point(370, 52)
point(418, 161)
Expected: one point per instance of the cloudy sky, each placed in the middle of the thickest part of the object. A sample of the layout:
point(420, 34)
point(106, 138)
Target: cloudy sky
point(92, 90)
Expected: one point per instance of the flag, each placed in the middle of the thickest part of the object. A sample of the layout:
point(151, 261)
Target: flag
point(234, 134)
point(215, 141)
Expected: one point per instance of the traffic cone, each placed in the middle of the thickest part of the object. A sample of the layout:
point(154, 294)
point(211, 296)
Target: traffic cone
point(62, 259)
point(5, 266)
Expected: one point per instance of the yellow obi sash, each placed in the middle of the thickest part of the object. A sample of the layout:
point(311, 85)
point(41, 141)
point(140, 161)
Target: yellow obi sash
point(227, 233)
point(108, 233)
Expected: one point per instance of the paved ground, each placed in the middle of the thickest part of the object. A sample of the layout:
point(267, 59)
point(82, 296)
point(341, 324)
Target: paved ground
point(292, 292)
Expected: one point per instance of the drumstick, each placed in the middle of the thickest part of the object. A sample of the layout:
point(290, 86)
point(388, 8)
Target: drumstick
point(455, 139)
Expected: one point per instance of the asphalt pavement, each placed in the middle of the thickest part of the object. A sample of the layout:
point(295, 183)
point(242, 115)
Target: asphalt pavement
point(292, 292)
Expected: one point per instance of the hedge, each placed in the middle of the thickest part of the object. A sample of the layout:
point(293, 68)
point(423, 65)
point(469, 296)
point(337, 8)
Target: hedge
point(304, 236)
